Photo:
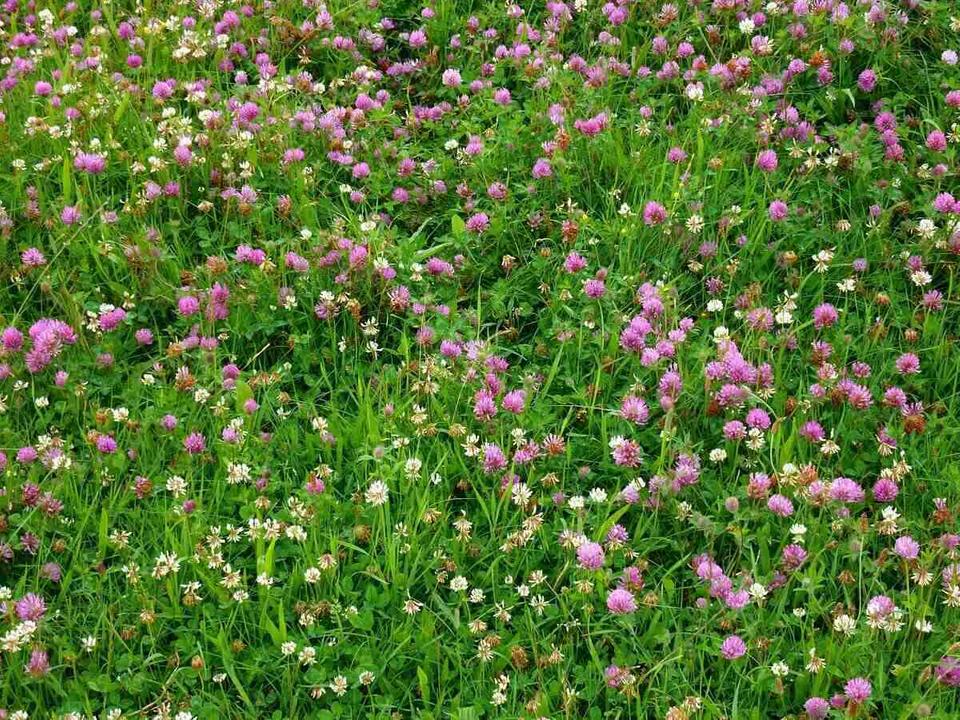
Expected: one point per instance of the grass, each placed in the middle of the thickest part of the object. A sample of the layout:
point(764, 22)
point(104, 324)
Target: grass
point(346, 384)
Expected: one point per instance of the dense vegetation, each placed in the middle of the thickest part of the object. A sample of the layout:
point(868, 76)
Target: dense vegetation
point(479, 360)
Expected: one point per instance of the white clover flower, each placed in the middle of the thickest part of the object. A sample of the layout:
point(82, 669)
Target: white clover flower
point(845, 625)
point(459, 583)
point(780, 669)
point(377, 493)
point(598, 495)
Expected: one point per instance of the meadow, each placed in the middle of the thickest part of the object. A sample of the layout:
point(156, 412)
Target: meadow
point(479, 359)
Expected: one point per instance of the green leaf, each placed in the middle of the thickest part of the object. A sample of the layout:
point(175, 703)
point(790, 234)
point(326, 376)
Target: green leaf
point(102, 532)
point(363, 620)
point(66, 180)
point(102, 684)
point(424, 683)
point(242, 393)
point(227, 657)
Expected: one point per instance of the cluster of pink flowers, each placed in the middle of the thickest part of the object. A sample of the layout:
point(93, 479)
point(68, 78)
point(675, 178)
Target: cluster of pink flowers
point(318, 315)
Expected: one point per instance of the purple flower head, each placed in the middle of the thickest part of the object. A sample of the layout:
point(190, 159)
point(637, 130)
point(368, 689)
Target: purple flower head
point(38, 665)
point(494, 458)
point(906, 547)
point(32, 257)
point(817, 708)
point(867, 80)
point(590, 555)
point(908, 364)
point(621, 602)
point(594, 288)
point(858, 690)
point(515, 401)
point(767, 160)
point(948, 671)
point(733, 647)
point(825, 315)
point(542, 169)
point(654, 213)
point(70, 215)
point(794, 556)
point(778, 210)
point(188, 305)
point(194, 443)
point(11, 339)
point(477, 223)
point(780, 505)
point(30, 607)
point(885, 490)
point(845, 490)
point(51, 571)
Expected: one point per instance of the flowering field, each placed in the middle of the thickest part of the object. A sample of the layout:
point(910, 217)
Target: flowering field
point(479, 360)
